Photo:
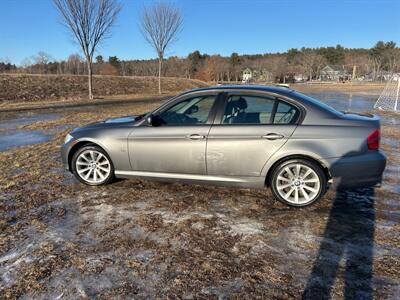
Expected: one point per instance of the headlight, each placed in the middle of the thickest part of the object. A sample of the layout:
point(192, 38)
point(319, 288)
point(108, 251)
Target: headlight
point(68, 138)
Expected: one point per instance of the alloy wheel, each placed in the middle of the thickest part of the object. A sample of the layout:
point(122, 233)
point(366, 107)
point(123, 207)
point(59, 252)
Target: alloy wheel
point(298, 183)
point(93, 166)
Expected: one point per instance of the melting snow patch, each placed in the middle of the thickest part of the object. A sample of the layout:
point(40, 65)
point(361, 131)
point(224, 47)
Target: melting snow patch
point(247, 227)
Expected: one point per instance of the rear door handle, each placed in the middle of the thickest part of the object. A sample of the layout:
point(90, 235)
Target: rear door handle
point(273, 136)
point(196, 137)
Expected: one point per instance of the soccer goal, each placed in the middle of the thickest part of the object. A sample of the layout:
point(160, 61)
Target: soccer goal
point(389, 99)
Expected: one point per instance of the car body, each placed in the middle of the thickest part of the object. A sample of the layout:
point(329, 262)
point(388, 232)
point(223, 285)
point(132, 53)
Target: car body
point(237, 136)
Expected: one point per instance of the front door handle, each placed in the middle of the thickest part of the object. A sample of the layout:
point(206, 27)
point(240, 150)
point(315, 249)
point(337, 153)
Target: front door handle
point(273, 136)
point(196, 137)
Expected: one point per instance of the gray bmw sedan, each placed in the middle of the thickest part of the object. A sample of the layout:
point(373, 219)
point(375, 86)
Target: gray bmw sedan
point(245, 136)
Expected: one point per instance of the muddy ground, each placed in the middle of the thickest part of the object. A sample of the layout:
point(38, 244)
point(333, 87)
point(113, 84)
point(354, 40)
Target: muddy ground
point(144, 240)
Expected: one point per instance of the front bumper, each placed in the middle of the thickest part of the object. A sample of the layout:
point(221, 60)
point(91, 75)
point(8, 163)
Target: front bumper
point(358, 171)
point(65, 149)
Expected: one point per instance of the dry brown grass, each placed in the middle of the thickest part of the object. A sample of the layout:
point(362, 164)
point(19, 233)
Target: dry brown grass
point(140, 239)
point(20, 87)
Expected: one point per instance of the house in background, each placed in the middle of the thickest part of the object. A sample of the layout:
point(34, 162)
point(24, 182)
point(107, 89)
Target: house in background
point(300, 78)
point(249, 75)
point(264, 75)
point(334, 73)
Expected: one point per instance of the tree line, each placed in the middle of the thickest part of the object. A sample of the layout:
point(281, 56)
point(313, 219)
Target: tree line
point(384, 56)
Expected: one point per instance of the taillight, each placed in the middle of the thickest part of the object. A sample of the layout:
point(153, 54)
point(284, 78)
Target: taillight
point(374, 139)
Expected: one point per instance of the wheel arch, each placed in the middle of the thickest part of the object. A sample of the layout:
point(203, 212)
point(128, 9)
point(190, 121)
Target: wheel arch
point(296, 156)
point(79, 145)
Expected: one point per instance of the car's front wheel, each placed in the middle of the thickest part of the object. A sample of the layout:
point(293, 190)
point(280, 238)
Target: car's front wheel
point(298, 182)
point(91, 165)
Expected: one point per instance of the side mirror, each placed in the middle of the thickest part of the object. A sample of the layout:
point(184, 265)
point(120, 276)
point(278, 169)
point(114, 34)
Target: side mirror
point(149, 120)
point(154, 120)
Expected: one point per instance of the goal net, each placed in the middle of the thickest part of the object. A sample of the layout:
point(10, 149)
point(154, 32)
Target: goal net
point(389, 99)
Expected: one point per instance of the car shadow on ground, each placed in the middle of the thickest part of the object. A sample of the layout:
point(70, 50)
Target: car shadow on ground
point(348, 237)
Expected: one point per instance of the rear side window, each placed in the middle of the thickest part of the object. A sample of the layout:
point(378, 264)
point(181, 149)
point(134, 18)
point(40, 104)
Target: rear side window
point(285, 114)
point(318, 103)
point(254, 109)
point(248, 109)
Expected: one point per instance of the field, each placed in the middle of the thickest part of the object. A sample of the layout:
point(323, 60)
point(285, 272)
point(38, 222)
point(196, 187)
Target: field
point(145, 240)
point(43, 89)
point(34, 91)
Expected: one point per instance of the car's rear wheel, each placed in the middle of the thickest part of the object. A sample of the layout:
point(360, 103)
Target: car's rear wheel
point(91, 165)
point(298, 182)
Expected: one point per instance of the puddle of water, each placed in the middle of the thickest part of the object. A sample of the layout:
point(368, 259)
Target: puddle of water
point(392, 169)
point(27, 120)
point(391, 142)
point(62, 127)
point(391, 121)
point(12, 137)
point(392, 187)
point(19, 138)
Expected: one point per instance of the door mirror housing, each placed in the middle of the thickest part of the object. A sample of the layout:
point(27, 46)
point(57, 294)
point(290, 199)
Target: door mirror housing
point(149, 120)
point(154, 120)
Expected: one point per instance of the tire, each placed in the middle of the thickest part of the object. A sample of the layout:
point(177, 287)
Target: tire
point(94, 161)
point(288, 179)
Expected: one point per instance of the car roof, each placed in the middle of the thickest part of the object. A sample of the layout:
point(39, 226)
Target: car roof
point(266, 88)
point(281, 90)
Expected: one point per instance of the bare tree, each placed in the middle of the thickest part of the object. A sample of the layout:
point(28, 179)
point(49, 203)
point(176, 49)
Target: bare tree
point(74, 64)
point(160, 26)
point(41, 59)
point(311, 61)
point(90, 22)
point(26, 64)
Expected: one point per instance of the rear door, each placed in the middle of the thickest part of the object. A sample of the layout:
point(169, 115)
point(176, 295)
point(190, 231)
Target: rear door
point(249, 129)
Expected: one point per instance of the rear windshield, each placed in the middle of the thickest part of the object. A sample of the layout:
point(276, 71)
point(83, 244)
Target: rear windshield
point(317, 103)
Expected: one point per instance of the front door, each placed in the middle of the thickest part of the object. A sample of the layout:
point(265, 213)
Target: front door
point(177, 143)
point(252, 128)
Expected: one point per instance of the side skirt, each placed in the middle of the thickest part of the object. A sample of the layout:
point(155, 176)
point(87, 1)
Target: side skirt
point(237, 181)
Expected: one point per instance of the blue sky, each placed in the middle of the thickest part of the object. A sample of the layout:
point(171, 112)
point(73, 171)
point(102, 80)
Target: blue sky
point(219, 26)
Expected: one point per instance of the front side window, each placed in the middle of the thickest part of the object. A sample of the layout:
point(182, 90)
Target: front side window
point(188, 112)
point(254, 109)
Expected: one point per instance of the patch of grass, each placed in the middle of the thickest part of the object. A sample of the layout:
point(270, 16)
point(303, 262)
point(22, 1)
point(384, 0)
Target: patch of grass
point(142, 239)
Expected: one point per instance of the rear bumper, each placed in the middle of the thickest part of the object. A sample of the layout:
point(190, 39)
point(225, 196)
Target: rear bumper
point(358, 171)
